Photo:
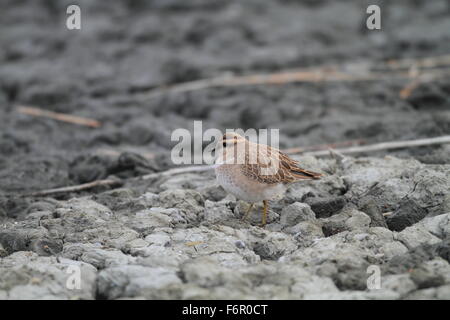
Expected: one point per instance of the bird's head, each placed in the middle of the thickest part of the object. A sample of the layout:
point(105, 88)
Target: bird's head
point(231, 139)
point(231, 146)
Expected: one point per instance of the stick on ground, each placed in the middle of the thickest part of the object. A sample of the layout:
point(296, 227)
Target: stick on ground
point(358, 149)
point(350, 72)
point(174, 171)
point(385, 146)
point(323, 146)
point(32, 111)
point(81, 187)
point(117, 182)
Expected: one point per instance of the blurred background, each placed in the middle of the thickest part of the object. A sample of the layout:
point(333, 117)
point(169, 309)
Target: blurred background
point(126, 51)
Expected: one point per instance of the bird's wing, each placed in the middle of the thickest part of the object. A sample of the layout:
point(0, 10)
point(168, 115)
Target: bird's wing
point(273, 166)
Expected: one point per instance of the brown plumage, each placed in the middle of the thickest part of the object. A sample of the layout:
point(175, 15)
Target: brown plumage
point(288, 170)
point(255, 172)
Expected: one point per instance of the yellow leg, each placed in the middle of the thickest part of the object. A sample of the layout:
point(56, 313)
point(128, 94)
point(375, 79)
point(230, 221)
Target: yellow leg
point(264, 216)
point(245, 216)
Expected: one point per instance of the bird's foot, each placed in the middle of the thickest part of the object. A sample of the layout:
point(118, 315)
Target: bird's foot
point(247, 213)
point(264, 216)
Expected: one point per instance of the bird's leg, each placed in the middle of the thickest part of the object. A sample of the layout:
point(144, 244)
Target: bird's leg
point(264, 216)
point(245, 216)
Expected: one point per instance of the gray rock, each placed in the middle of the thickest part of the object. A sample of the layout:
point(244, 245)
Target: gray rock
point(408, 213)
point(441, 293)
point(213, 192)
point(120, 199)
point(94, 255)
point(273, 245)
point(355, 295)
point(416, 235)
point(369, 206)
point(12, 241)
point(444, 207)
point(391, 180)
point(25, 275)
point(347, 262)
point(218, 212)
point(38, 215)
point(424, 279)
point(357, 220)
point(400, 283)
point(431, 273)
point(28, 236)
point(255, 281)
point(159, 256)
point(206, 272)
point(443, 249)
point(193, 181)
point(189, 201)
point(41, 206)
point(255, 215)
point(334, 224)
point(295, 213)
point(159, 238)
point(438, 226)
point(145, 221)
point(424, 294)
point(306, 231)
point(138, 281)
point(392, 249)
point(348, 219)
point(306, 191)
point(326, 207)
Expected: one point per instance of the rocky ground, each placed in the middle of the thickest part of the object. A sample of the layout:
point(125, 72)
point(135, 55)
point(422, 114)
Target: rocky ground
point(171, 242)
point(181, 236)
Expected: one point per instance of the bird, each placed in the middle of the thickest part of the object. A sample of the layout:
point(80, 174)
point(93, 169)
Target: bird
point(255, 172)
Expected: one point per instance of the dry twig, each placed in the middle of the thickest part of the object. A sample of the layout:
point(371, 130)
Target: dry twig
point(80, 187)
point(32, 111)
point(358, 149)
point(116, 182)
point(386, 146)
point(116, 153)
point(323, 146)
point(392, 69)
point(427, 62)
point(409, 88)
point(174, 171)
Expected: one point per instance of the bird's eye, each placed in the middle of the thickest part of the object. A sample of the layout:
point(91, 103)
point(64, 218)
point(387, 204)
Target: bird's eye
point(224, 144)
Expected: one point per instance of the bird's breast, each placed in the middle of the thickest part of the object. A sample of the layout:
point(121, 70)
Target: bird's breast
point(233, 181)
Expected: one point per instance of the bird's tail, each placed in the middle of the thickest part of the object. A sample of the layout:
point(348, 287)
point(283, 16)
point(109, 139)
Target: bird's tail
point(300, 173)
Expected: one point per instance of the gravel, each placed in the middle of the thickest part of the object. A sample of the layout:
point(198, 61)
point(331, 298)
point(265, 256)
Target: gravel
point(180, 244)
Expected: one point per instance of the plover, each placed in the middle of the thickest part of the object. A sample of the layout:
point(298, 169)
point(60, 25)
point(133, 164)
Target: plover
point(255, 172)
